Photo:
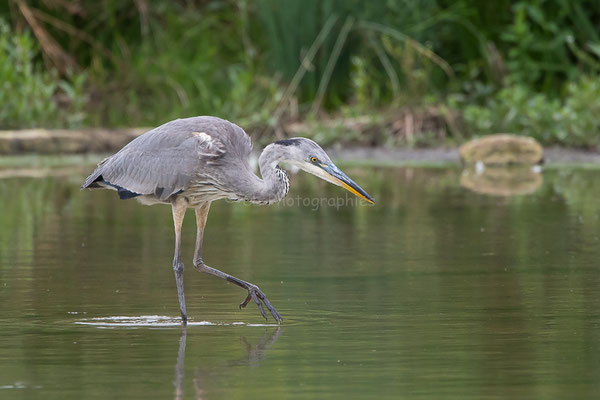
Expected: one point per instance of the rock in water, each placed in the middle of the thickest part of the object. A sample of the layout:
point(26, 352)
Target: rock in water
point(502, 149)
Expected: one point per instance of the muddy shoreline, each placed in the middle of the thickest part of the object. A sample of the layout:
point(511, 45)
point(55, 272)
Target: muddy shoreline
point(23, 144)
point(552, 155)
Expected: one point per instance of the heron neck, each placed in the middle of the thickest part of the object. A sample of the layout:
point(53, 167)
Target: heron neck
point(275, 183)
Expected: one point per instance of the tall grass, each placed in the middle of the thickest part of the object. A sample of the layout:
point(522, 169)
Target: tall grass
point(292, 26)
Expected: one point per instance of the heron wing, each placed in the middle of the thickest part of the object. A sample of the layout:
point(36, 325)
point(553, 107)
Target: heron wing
point(165, 160)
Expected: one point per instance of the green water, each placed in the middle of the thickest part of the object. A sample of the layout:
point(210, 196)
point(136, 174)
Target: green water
point(437, 292)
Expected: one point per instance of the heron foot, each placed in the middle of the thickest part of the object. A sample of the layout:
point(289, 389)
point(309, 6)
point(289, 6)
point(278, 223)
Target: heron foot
point(254, 293)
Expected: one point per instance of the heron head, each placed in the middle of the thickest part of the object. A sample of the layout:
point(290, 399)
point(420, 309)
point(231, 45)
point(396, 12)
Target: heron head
point(310, 157)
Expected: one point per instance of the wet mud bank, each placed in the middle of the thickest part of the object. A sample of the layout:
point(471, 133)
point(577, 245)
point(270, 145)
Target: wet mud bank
point(106, 141)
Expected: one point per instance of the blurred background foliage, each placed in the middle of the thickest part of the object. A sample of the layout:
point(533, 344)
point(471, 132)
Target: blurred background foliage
point(526, 67)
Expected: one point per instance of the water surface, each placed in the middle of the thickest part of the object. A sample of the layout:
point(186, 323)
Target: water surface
point(436, 292)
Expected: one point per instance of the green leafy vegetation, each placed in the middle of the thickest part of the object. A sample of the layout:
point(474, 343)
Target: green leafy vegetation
point(572, 120)
point(526, 67)
point(30, 96)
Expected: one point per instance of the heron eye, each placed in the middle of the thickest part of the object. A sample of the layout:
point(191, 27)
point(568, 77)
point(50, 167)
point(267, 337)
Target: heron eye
point(313, 159)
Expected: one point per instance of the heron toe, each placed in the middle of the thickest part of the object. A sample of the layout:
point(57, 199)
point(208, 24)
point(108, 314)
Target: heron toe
point(255, 294)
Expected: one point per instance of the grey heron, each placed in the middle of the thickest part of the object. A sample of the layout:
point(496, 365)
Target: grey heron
point(191, 162)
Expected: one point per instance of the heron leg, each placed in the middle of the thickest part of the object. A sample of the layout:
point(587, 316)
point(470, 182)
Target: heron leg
point(254, 293)
point(179, 206)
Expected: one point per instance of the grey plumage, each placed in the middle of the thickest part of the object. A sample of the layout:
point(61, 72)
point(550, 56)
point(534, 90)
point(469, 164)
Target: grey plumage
point(168, 159)
point(202, 158)
point(191, 162)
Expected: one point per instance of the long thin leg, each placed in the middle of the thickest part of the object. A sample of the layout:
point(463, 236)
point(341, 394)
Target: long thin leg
point(254, 293)
point(179, 206)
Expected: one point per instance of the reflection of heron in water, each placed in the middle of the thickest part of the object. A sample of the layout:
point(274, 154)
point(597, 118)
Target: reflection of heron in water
point(254, 355)
point(179, 367)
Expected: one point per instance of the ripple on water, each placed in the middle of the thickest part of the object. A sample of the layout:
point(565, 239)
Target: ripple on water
point(152, 321)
